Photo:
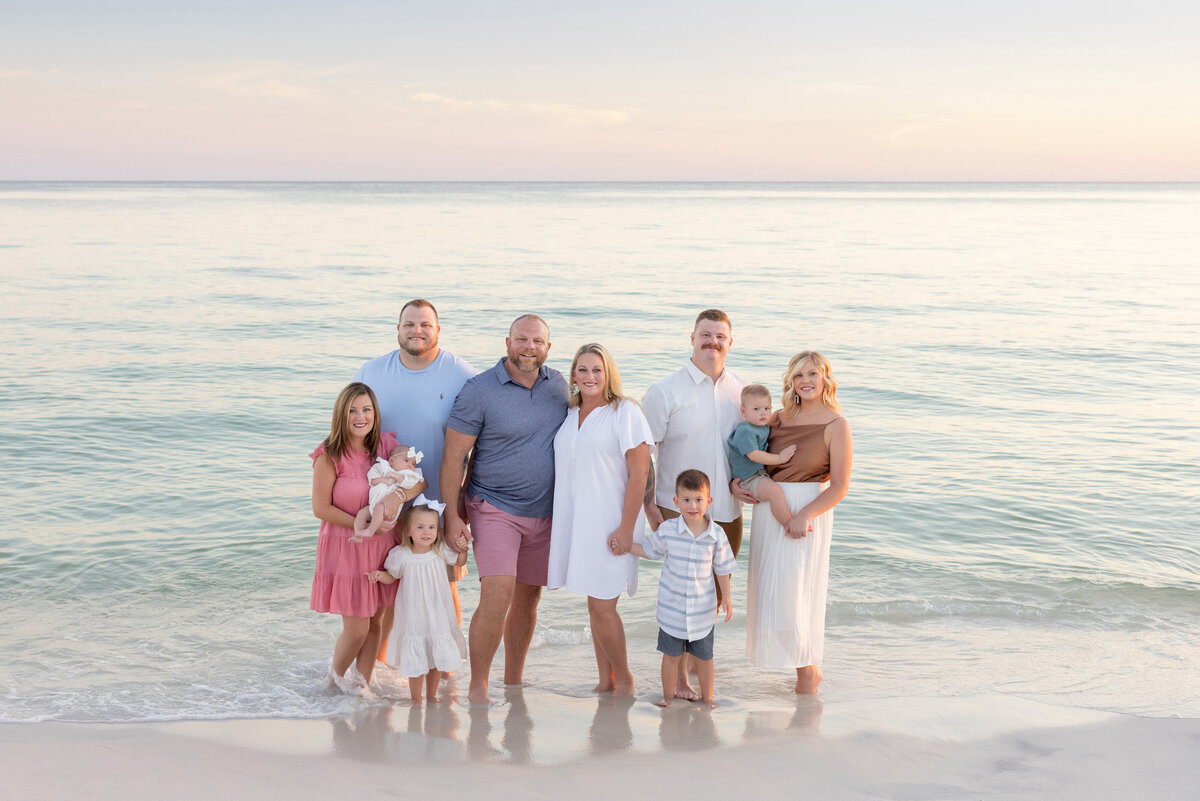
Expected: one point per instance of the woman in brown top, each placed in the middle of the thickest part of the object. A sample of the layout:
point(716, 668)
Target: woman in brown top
point(789, 567)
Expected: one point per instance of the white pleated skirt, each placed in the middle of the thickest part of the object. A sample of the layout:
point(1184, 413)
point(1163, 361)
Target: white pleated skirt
point(787, 586)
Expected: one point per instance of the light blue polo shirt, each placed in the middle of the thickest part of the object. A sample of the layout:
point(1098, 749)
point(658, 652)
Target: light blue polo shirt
point(415, 404)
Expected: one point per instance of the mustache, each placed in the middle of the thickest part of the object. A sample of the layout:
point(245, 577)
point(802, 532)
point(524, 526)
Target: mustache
point(710, 347)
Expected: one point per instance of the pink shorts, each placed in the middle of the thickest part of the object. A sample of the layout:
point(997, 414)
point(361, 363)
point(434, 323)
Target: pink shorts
point(509, 545)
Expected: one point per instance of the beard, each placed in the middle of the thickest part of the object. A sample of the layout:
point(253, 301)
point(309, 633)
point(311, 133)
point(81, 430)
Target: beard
point(526, 364)
point(419, 347)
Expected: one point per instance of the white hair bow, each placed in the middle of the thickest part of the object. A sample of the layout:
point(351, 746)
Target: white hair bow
point(415, 454)
point(434, 505)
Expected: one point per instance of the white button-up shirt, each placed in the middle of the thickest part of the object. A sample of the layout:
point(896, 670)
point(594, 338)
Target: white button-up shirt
point(690, 418)
point(687, 596)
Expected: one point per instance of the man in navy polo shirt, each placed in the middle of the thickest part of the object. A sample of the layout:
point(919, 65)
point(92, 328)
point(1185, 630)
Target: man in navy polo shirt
point(509, 416)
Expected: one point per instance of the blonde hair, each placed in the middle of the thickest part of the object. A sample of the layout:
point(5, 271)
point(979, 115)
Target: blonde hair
point(755, 391)
point(612, 378)
point(791, 404)
point(402, 536)
point(339, 428)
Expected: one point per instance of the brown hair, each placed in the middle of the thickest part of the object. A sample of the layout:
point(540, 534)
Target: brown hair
point(339, 427)
point(694, 480)
point(715, 315)
point(828, 393)
point(612, 378)
point(403, 537)
point(419, 303)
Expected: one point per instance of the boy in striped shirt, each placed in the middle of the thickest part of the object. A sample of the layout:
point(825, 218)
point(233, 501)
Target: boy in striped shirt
point(693, 549)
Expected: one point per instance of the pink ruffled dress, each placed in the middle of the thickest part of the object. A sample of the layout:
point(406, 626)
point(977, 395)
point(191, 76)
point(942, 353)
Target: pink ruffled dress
point(340, 585)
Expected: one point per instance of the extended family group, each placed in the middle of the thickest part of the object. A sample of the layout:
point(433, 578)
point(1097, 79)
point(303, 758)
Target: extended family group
point(551, 482)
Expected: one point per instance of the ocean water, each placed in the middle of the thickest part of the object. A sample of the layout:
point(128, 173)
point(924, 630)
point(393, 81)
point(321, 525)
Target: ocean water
point(1018, 363)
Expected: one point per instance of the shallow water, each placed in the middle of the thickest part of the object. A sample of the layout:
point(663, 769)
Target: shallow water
point(1017, 362)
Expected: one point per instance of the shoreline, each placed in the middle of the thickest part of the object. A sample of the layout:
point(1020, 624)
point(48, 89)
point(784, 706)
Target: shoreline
point(543, 745)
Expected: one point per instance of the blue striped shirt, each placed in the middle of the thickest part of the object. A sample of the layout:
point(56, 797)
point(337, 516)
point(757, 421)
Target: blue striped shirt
point(687, 598)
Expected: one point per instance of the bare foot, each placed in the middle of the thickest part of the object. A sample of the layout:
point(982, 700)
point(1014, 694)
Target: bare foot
point(684, 690)
point(604, 687)
point(664, 703)
point(710, 703)
point(808, 679)
point(623, 688)
point(478, 695)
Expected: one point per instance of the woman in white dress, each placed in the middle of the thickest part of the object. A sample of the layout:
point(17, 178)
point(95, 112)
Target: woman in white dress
point(601, 459)
point(789, 567)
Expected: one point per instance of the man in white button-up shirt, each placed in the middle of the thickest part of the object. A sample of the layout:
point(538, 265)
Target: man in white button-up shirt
point(692, 412)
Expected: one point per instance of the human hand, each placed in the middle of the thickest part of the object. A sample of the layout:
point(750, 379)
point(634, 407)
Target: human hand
point(458, 534)
point(799, 527)
point(654, 516)
point(373, 576)
point(735, 487)
point(727, 605)
point(787, 453)
point(619, 542)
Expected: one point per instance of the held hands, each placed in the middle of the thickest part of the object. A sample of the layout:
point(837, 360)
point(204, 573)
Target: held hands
point(619, 542)
point(457, 533)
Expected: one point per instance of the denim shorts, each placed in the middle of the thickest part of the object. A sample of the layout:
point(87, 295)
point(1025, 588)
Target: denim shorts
point(673, 646)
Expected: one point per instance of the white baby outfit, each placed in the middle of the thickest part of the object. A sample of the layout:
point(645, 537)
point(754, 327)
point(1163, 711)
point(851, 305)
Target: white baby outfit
point(382, 468)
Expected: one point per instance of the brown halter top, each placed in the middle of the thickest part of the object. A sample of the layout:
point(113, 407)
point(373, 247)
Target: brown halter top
point(811, 460)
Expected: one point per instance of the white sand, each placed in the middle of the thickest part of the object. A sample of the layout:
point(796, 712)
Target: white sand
point(539, 745)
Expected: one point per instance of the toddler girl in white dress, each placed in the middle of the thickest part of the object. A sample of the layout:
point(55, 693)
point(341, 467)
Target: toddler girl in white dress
point(426, 640)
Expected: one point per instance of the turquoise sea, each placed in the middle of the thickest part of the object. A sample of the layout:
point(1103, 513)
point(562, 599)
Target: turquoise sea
point(1018, 363)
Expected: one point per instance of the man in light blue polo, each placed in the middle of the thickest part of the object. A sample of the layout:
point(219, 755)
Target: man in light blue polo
point(508, 415)
point(415, 386)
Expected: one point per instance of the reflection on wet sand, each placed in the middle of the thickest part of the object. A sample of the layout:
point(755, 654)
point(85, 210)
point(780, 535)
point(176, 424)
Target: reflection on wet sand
point(610, 731)
point(504, 732)
point(805, 719)
point(687, 727)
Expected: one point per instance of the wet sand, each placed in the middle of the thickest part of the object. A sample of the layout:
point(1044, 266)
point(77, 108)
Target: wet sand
point(538, 745)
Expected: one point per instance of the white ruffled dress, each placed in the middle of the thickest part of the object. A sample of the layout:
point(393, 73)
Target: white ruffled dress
point(425, 633)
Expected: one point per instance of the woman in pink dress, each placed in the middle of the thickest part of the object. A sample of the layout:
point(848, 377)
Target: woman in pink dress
point(339, 489)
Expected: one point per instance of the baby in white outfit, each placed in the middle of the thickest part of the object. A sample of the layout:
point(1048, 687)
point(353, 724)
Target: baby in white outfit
point(389, 479)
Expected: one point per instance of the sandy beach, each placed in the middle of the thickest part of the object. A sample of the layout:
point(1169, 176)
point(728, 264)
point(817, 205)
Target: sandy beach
point(540, 745)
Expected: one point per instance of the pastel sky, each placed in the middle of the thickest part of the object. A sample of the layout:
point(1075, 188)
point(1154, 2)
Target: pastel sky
point(612, 90)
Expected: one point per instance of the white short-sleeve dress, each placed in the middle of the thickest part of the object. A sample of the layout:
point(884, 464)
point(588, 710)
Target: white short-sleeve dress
point(590, 476)
point(425, 632)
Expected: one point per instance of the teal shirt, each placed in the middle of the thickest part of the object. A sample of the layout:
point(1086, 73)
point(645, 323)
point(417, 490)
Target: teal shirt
point(744, 439)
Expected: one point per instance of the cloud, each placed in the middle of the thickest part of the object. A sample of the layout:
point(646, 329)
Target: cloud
point(560, 113)
point(256, 80)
